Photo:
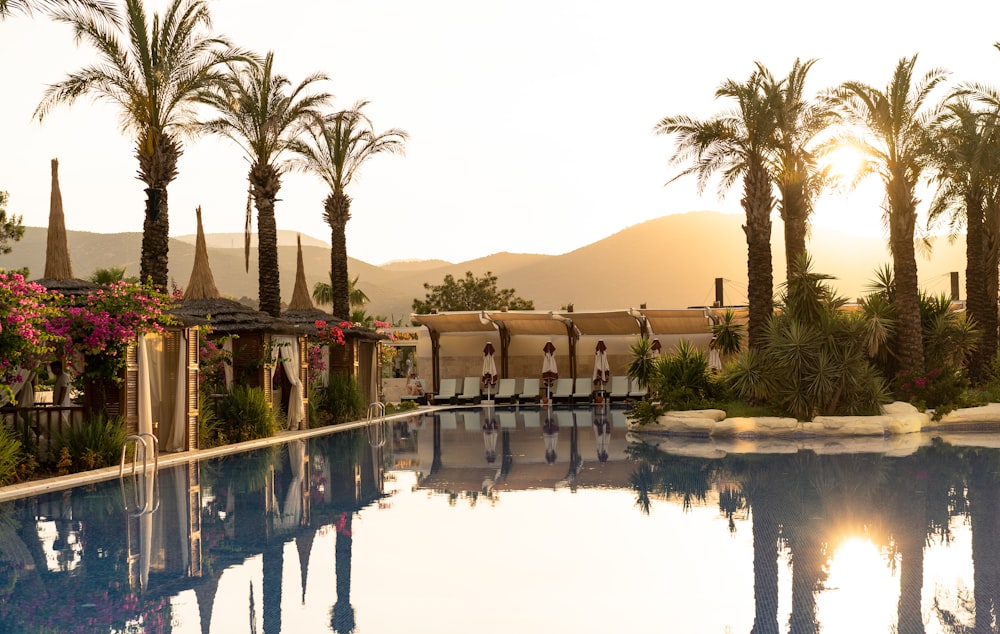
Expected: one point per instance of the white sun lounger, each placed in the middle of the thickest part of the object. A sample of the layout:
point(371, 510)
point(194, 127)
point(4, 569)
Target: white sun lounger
point(446, 394)
point(634, 391)
point(530, 390)
point(506, 390)
point(563, 391)
point(618, 390)
point(470, 391)
point(583, 390)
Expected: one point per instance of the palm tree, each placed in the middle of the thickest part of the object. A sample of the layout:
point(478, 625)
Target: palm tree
point(738, 143)
point(260, 111)
point(322, 294)
point(966, 166)
point(898, 145)
point(793, 165)
point(10, 7)
point(154, 73)
point(335, 149)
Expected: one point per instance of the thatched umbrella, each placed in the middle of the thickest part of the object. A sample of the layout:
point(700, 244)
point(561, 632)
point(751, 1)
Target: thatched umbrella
point(202, 304)
point(58, 268)
point(301, 311)
point(202, 282)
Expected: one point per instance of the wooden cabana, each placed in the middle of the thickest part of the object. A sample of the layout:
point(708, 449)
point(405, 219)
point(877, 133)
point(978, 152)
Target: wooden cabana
point(358, 357)
point(251, 335)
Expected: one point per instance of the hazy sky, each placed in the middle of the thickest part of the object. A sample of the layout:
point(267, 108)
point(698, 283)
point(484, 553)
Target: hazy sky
point(530, 120)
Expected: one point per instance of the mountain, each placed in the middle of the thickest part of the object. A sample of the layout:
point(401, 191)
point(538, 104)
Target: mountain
point(668, 262)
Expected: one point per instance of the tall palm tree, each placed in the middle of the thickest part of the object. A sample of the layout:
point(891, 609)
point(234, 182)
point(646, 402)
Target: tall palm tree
point(10, 7)
point(154, 72)
point(798, 121)
point(335, 149)
point(357, 298)
point(966, 166)
point(896, 139)
point(261, 111)
point(738, 143)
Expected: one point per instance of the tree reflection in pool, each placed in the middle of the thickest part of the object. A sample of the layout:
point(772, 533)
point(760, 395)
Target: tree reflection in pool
point(424, 534)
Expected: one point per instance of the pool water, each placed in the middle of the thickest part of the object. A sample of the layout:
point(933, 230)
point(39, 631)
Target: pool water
point(520, 520)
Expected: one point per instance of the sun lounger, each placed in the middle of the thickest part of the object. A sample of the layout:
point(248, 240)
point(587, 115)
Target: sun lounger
point(506, 390)
point(470, 391)
point(447, 392)
point(618, 390)
point(530, 391)
point(421, 398)
point(634, 391)
point(583, 390)
point(563, 391)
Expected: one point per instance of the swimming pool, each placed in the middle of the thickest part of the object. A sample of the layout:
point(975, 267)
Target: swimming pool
point(519, 519)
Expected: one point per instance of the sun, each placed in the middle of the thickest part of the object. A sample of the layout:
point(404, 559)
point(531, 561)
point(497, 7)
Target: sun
point(844, 163)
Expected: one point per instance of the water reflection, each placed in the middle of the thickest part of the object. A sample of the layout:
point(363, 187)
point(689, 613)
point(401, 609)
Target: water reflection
point(299, 536)
point(811, 505)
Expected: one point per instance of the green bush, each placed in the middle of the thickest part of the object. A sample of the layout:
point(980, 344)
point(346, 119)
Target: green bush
point(11, 457)
point(244, 414)
point(210, 429)
point(339, 402)
point(680, 380)
point(96, 444)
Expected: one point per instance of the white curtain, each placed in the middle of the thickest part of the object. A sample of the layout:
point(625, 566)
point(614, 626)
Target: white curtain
point(227, 368)
point(174, 438)
point(148, 380)
point(288, 353)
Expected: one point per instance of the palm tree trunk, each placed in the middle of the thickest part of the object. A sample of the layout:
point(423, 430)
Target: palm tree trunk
point(155, 239)
point(265, 184)
point(977, 305)
point(338, 212)
point(902, 226)
point(757, 203)
point(158, 154)
point(794, 216)
point(268, 282)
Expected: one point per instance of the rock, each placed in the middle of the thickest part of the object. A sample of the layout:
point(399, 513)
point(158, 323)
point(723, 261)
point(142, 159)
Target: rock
point(899, 407)
point(684, 425)
point(984, 414)
point(907, 423)
point(846, 425)
point(714, 414)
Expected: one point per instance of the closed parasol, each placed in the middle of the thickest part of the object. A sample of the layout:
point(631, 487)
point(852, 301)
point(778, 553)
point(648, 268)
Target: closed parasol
point(602, 371)
point(550, 373)
point(489, 370)
point(656, 347)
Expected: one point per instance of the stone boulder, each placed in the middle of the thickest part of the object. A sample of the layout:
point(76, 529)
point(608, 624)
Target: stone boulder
point(846, 426)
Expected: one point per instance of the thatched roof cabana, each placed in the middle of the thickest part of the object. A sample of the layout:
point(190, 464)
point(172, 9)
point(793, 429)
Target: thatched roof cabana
point(58, 267)
point(301, 311)
point(204, 306)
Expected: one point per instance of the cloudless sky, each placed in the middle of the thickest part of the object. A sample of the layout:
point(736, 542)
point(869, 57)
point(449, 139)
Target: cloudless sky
point(530, 120)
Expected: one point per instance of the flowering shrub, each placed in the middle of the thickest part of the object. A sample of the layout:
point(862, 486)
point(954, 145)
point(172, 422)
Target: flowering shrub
point(937, 387)
point(316, 364)
point(330, 335)
point(103, 326)
point(25, 342)
point(212, 361)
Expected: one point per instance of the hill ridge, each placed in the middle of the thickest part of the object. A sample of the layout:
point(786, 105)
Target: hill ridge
point(667, 262)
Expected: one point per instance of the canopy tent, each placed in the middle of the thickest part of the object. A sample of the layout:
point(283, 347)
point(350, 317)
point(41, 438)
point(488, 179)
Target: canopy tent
point(669, 324)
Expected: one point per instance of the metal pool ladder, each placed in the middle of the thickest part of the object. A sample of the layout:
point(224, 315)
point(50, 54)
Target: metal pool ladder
point(376, 424)
point(145, 493)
